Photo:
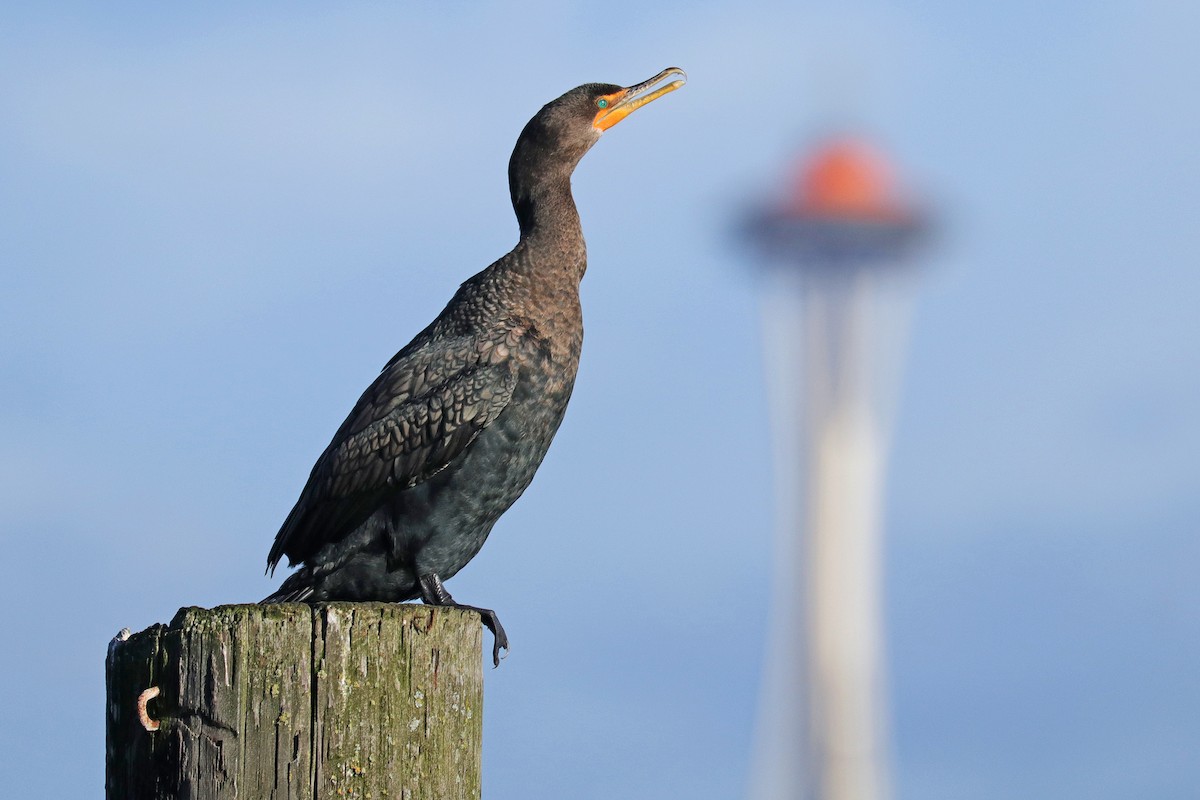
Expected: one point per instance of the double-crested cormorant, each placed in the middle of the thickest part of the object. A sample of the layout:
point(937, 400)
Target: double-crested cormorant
point(451, 432)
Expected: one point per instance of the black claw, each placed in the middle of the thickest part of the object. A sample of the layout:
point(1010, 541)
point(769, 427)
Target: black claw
point(499, 637)
point(492, 623)
point(434, 593)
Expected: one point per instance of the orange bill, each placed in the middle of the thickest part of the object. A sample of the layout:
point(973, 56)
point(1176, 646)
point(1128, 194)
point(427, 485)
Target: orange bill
point(620, 105)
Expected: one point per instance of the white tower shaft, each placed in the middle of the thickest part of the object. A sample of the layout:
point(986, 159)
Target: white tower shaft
point(842, 500)
point(833, 344)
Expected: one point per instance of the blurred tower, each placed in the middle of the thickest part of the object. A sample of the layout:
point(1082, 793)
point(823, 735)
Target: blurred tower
point(834, 323)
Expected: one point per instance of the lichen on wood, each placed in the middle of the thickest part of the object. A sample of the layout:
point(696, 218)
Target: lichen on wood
point(342, 700)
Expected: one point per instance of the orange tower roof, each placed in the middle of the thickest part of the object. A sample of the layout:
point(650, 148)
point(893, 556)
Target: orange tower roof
point(845, 179)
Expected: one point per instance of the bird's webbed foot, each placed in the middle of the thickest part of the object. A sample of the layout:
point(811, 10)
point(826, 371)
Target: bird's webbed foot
point(492, 623)
point(434, 593)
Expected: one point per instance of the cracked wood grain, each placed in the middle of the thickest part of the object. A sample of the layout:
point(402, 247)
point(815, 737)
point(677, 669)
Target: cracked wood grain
point(343, 700)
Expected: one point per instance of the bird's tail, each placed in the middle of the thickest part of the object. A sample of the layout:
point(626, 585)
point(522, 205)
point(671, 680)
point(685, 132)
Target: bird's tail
point(297, 588)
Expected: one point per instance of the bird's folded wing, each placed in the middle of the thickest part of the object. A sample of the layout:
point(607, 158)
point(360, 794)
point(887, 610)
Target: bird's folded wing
point(414, 438)
point(417, 417)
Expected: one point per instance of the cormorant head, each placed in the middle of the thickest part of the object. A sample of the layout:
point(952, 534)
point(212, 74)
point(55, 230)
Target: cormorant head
point(558, 136)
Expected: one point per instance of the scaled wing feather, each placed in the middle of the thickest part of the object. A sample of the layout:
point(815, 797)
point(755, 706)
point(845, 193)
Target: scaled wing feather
point(421, 413)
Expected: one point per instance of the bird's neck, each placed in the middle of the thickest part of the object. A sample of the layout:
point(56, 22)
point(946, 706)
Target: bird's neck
point(550, 227)
point(544, 204)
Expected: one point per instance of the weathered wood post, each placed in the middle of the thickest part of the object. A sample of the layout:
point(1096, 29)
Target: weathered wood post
point(343, 700)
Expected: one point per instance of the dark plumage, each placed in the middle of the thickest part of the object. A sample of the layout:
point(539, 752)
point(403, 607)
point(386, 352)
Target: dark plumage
point(451, 432)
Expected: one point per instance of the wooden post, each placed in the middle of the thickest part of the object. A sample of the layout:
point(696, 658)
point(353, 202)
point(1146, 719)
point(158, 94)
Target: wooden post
point(343, 700)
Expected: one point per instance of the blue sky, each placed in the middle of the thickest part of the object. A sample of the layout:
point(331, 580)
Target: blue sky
point(216, 224)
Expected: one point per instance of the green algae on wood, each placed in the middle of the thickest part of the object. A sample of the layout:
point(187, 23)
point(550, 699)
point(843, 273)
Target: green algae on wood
point(342, 700)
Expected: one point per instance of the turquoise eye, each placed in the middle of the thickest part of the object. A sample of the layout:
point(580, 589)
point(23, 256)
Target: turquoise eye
point(601, 103)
